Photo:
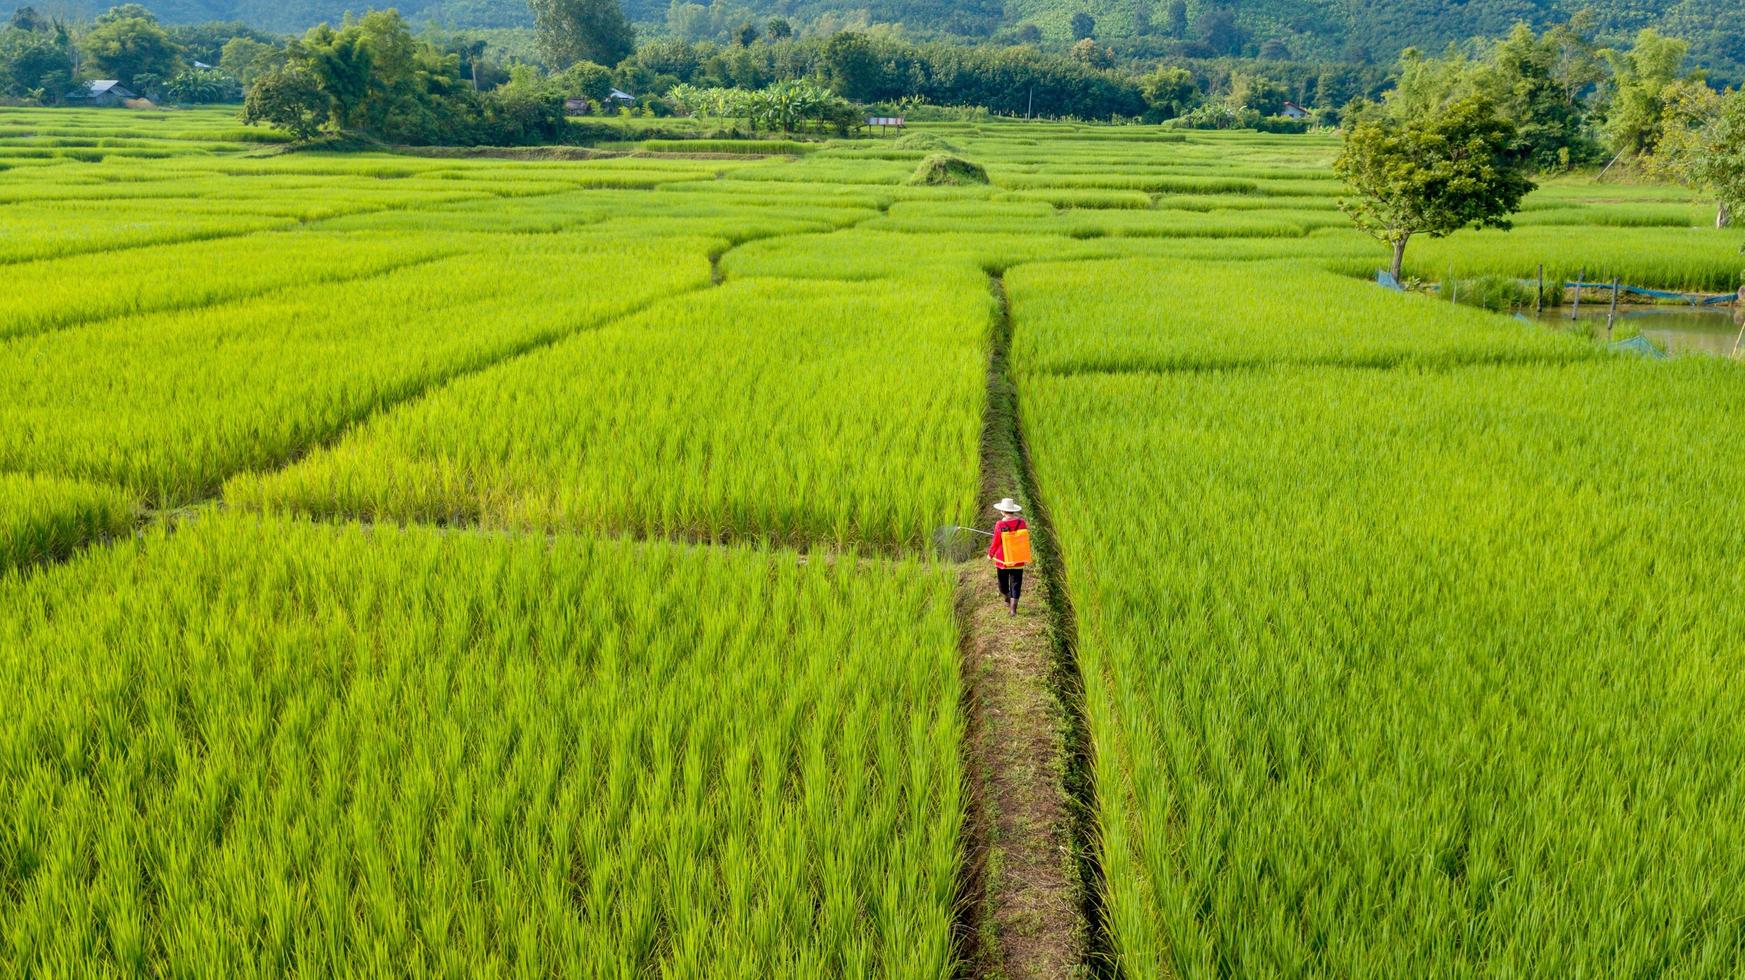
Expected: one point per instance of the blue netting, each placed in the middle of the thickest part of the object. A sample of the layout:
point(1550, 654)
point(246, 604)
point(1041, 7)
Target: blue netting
point(1694, 299)
point(1640, 346)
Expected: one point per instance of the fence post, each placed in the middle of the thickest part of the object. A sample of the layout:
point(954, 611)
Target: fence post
point(1539, 304)
point(1612, 314)
point(1739, 315)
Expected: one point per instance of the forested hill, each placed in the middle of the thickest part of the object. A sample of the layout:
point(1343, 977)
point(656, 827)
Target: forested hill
point(1345, 30)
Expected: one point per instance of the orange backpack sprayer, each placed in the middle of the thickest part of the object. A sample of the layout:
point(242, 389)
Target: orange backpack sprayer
point(1015, 547)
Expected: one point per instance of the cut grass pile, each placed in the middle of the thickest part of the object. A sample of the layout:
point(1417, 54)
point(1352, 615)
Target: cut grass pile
point(944, 169)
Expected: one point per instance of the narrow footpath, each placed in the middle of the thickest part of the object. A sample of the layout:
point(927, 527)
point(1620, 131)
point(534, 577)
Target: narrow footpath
point(1025, 891)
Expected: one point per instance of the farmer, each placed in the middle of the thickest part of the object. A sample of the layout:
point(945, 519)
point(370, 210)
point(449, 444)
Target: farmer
point(1009, 573)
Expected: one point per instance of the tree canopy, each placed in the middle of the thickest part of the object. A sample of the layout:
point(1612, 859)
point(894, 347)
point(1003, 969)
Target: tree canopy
point(372, 76)
point(1432, 174)
point(1702, 145)
point(127, 43)
point(569, 31)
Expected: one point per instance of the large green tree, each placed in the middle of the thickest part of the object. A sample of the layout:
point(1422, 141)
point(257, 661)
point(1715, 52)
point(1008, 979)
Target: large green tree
point(384, 81)
point(1169, 92)
point(569, 31)
point(289, 98)
point(35, 63)
point(246, 59)
point(1433, 174)
point(373, 76)
point(126, 43)
point(1543, 83)
point(853, 66)
point(1702, 145)
point(204, 42)
point(1539, 82)
point(1641, 80)
point(339, 63)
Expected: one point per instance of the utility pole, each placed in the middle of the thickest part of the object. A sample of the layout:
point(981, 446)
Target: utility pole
point(1029, 102)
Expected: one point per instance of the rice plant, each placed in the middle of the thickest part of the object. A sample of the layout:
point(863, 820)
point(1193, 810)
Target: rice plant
point(61, 292)
point(170, 404)
point(762, 410)
point(44, 518)
point(1408, 629)
point(1409, 673)
point(1661, 258)
point(265, 747)
point(1149, 315)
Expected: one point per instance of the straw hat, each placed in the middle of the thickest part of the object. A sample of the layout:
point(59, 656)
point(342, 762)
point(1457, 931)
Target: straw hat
point(1008, 506)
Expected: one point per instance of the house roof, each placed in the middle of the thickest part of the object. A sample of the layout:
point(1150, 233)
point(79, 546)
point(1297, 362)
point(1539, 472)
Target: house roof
point(102, 85)
point(621, 96)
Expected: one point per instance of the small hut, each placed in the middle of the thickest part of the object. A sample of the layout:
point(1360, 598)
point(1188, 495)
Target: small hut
point(103, 92)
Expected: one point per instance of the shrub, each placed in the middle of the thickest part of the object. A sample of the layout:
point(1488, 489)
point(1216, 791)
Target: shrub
point(925, 141)
point(517, 117)
point(1498, 293)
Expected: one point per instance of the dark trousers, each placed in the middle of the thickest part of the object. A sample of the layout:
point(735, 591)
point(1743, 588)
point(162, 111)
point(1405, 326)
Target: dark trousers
point(1011, 581)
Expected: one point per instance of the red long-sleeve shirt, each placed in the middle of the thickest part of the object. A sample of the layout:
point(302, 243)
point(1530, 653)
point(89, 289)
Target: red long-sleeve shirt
point(997, 550)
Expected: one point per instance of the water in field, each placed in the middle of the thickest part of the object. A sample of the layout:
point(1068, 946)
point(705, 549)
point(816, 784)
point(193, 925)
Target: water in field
point(1676, 331)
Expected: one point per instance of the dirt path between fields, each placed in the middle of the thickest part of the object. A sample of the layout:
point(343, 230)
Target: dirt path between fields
point(1025, 887)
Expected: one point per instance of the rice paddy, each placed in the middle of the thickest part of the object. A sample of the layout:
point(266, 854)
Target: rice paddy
point(488, 566)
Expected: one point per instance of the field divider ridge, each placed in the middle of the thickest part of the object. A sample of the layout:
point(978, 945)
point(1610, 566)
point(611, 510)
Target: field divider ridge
point(288, 224)
point(1383, 364)
point(335, 278)
point(1027, 902)
point(169, 517)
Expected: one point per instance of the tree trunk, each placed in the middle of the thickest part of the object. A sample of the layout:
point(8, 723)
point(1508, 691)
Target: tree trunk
point(1399, 255)
point(1723, 217)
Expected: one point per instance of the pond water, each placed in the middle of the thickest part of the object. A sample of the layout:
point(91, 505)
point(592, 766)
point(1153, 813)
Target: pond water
point(1677, 331)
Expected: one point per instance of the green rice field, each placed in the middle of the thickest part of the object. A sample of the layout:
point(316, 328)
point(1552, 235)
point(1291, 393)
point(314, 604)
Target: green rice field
point(471, 566)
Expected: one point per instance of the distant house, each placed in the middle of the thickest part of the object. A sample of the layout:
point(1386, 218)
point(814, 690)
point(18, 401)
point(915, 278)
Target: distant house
point(577, 107)
point(1294, 111)
point(618, 100)
point(103, 92)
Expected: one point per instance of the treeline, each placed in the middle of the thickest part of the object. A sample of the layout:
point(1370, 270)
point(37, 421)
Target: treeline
point(46, 60)
point(1008, 80)
point(1569, 101)
point(1274, 32)
point(1572, 101)
point(1458, 142)
point(372, 76)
